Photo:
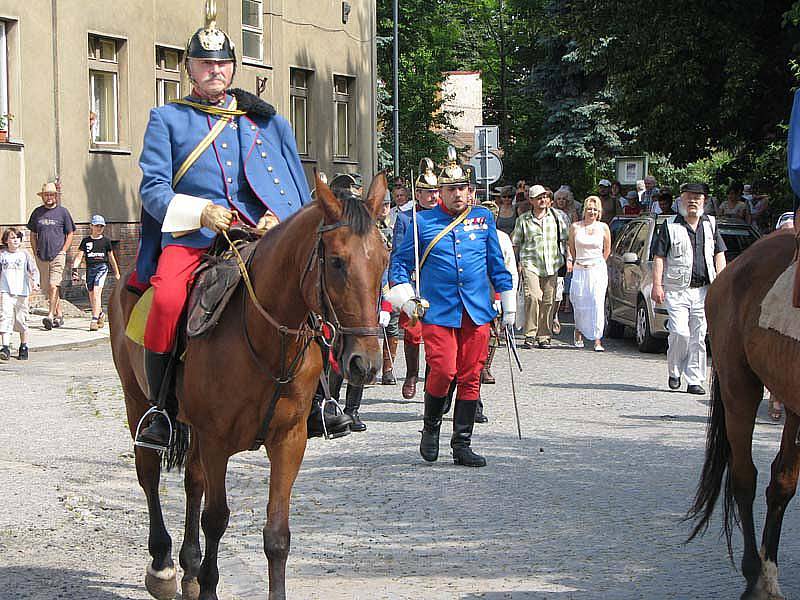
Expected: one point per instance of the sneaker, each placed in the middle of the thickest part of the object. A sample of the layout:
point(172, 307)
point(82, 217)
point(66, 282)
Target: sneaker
point(48, 323)
point(58, 321)
point(23, 352)
point(578, 343)
point(529, 343)
point(5, 353)
point(95, 324)
point(599, 348)
point(101, 320)
point(544, 344)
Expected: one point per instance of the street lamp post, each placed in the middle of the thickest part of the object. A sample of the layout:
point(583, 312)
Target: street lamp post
point(396, 89)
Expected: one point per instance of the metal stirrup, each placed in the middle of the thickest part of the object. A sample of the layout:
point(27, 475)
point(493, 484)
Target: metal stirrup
point(157, 448)
point(326, 392)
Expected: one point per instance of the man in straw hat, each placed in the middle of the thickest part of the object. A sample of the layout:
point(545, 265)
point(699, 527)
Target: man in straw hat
point(217, 151)
point(52, 230)
point(459, 253)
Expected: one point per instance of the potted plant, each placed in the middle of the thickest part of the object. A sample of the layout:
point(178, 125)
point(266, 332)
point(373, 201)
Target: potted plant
point(4, 122)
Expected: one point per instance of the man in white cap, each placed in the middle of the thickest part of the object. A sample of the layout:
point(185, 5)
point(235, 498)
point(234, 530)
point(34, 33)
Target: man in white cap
point(609, 204)
point(538, 239)
point(51, 229)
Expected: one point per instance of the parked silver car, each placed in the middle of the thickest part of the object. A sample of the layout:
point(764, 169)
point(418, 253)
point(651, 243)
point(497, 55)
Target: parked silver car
point(630, 278)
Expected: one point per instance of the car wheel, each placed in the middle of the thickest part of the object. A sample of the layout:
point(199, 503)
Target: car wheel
point(614, 329)
point(644, 339)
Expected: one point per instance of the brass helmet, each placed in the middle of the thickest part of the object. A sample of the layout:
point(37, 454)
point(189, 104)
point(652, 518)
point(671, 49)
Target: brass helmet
point(210, 42)
point(426, 180)
point(452, 173)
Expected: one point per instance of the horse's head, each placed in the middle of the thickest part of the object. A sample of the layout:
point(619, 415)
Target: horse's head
point(353, 257)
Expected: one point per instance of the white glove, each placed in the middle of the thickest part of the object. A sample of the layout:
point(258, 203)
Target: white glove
point(498, 306)
point(383, 318)
point(399, 295)
point(509, 318)
point(508, 300)
point(415, 309)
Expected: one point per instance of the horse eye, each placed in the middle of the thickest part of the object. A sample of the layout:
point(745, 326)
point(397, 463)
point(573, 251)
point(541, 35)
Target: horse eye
point(337, 263)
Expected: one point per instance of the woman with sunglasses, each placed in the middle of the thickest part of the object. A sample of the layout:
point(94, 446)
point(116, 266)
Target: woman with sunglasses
point(507, 215)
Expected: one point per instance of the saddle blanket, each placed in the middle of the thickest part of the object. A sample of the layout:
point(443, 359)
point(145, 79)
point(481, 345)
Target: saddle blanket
point(777, 312)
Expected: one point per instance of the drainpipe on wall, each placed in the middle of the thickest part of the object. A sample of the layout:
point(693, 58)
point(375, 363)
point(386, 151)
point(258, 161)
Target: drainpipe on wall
point(56, 113)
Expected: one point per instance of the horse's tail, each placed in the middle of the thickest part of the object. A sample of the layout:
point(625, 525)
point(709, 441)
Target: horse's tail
point(175, 454)
point(715, 468)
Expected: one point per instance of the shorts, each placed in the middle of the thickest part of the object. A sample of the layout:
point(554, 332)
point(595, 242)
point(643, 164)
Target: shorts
point(96, 275)
point(51, 272)
point(13, 313)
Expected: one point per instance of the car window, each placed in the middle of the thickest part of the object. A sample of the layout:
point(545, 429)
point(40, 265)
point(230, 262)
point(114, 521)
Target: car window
point(640, 240)
point(737, 240)
point(626, 237)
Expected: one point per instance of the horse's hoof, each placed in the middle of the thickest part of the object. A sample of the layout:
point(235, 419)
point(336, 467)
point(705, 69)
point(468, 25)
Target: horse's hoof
point(190, 589)
point(162, 585)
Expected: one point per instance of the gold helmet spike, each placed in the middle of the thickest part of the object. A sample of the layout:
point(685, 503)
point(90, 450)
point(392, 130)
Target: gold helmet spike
point(211, 14)
point(427, 178)
point(452, 173)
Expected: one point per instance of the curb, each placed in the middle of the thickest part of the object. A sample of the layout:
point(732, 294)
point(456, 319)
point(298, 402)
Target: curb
point(71, 345)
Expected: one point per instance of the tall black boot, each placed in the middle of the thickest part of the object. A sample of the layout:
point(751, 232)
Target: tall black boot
point(463, 422)
point(479, 416)
point(337, 423)
point(432, 423)
point(156, 367)
point(352, 404)
point(450, 393)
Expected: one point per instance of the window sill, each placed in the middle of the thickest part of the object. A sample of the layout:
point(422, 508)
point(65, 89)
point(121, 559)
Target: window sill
point(344, 161)
point(308, 159)
point(110, 150)
point(252, 62)
point(13, 145)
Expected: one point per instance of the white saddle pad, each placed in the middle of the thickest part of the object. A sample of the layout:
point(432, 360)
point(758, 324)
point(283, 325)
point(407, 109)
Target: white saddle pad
point(777, 312)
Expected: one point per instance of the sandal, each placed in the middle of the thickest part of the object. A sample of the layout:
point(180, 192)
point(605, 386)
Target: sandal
point(775, 409)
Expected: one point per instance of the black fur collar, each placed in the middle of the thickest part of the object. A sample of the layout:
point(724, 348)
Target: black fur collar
point(252, 105)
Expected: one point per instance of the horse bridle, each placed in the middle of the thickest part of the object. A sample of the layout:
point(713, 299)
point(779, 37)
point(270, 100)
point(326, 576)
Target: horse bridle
point(325, 327)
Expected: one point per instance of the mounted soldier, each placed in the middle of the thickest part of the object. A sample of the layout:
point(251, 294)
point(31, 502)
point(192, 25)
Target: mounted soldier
point(460, 251)
point(215, 158)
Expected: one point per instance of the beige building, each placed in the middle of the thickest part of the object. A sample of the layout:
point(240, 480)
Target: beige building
point(79, 77)
point(462, 92)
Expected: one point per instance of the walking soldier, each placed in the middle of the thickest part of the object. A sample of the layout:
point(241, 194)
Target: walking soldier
point(461, 252)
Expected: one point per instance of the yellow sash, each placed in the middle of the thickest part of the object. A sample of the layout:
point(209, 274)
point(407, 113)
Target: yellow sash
point(443, 233)
point(225, 117)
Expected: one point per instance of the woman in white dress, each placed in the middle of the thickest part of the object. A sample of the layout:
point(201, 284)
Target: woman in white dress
point(589, 247)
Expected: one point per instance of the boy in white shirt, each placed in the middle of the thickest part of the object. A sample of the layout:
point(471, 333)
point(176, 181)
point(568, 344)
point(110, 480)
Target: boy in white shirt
point(18, 276)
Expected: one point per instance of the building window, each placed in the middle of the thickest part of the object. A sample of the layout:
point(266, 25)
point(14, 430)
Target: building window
point(104, 89)
point(342, 95)
point(4, 122)
point(299, 87)
point(253, 30)
point(168, 75)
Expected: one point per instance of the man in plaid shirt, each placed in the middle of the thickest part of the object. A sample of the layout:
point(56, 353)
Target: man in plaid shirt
point(538, 238)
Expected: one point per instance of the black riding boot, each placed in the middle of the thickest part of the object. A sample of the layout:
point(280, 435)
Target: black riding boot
point(432, 423)
point(479, 416)
point(463, 422)
point(352, 404)
point(337, 423)
point(156, 366)
point(450, 393)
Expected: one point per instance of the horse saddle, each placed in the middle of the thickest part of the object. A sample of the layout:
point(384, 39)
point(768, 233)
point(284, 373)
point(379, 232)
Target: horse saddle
point(215, 281)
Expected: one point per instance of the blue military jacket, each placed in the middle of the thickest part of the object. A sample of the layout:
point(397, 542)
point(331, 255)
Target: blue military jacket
point(459, 268)
point(252, 166)
point(793, 146)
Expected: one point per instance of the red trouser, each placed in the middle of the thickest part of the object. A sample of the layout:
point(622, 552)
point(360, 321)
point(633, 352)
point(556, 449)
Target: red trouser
point(455, 353)
point(412, 334)
point(171, 283)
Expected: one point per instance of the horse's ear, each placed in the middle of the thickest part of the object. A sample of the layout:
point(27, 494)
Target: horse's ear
point(376, 194)
point(329, 203)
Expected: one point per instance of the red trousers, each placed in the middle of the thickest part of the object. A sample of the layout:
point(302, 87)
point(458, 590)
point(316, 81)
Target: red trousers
point(412, 334)
point(455, 353)
point(171, 284)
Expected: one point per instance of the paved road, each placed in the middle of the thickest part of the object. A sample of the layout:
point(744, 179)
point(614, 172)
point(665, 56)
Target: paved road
point(587, 505)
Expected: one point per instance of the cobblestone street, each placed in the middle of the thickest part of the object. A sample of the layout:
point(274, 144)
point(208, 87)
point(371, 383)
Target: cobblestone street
point(587, 505)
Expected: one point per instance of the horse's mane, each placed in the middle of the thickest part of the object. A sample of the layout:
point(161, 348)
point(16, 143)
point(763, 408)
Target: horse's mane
point(355, 213)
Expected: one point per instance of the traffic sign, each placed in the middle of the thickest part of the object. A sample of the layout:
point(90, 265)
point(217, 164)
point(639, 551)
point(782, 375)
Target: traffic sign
point(488, 167)
point(486, 137)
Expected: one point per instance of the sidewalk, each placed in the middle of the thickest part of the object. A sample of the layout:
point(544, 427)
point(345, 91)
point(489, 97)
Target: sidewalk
point(75, 332)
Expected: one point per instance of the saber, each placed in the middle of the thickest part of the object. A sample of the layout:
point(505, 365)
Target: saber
point(512, 346)
point(509, 344)
point(414, 225)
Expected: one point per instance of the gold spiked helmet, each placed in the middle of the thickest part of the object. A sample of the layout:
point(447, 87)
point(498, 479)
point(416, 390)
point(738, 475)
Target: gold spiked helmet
point(452, 173)
point(426, 180)
point(210, 42)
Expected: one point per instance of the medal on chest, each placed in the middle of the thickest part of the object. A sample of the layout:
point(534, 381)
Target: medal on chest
point(473, 223)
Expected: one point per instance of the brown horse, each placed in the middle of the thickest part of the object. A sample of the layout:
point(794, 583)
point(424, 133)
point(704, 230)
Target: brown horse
point(325, 260)
point(747, 358)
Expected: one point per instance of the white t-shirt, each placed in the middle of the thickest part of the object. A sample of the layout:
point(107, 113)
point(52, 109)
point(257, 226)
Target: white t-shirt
point(17, 269)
